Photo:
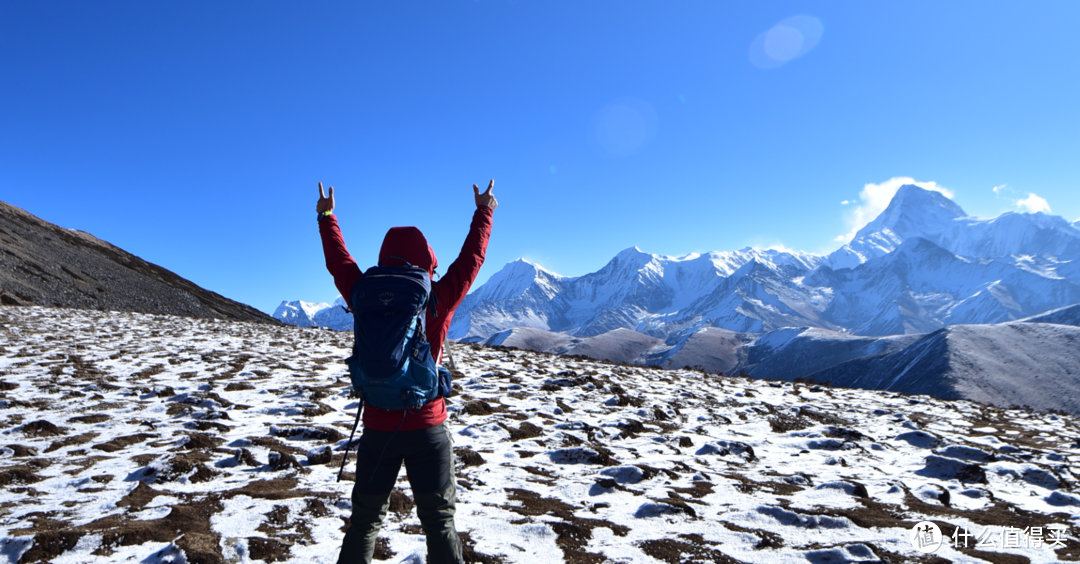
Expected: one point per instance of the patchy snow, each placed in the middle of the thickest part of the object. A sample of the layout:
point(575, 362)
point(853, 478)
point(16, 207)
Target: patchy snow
point(130, 437)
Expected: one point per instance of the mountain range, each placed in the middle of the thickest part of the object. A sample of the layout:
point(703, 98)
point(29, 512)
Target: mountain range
point(921, 265)
point(922, 276)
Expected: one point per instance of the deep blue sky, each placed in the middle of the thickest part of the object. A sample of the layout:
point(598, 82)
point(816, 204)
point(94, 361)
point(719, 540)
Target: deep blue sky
point(193, 133)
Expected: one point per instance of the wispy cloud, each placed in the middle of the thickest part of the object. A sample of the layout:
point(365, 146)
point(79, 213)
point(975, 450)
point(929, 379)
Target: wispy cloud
point(846, 202)
point(1033, 204)
point(875, 198)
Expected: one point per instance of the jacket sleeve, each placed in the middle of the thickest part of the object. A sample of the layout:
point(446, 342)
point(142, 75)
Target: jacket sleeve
point(338, 260)
point(451, 288)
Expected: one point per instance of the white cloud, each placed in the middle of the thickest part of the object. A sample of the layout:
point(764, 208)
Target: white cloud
point(876, 197)
point(846, 202)
point(1033, 204)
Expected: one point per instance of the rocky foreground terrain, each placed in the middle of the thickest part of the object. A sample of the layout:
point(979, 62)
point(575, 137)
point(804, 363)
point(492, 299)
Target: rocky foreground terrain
point(138, 438)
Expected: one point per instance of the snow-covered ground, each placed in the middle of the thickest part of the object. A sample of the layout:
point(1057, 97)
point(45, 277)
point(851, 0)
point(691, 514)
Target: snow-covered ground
point(138, 438)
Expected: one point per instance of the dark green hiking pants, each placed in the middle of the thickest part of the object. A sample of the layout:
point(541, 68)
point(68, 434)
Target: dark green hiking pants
point(429, 463)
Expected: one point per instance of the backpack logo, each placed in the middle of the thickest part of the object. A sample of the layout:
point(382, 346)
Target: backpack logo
point(385, 298)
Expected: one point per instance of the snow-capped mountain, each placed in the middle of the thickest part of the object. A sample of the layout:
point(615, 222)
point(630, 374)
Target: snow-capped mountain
point(653, 294)
point(915, 212)
point(921, 265)
point(299, 313)
point(519, 295)
point(308, 314)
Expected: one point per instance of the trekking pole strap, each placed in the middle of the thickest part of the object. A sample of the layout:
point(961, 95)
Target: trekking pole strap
point(348, 445)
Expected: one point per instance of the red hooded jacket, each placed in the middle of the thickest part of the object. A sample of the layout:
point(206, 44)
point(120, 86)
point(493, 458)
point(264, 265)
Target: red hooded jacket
point(411, 245)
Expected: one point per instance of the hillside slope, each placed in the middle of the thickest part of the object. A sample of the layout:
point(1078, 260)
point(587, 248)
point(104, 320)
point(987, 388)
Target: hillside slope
point(47, 265)
point(1008, 364)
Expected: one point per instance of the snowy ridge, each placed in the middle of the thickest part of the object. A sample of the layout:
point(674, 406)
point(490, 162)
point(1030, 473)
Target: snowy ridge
point(131, 437)
point(299, 313)
point(635, 290)
point(915, 212)
point(307, 314)
point(923, 264)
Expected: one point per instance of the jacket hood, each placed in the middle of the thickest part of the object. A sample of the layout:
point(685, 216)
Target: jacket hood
point(409, 244)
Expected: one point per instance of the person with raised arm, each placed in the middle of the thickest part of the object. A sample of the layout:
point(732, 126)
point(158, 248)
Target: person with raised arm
point(418, 438)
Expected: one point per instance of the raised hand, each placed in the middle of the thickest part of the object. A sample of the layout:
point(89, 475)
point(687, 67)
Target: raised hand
point(485, 199)
point(327, 204)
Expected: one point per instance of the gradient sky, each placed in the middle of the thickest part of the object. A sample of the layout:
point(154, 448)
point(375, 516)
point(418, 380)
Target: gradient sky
point(193, 134)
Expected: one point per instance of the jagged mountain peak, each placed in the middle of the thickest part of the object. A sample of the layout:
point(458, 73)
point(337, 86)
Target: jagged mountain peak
point(631, 258)
point(915, 212)
point(299, 312)
point(524, 267)
point(634, 251)
point(1038, 220)
point(516, 278)
point(912, 212)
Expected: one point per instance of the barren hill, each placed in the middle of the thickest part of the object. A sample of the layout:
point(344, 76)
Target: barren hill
point(47, 265)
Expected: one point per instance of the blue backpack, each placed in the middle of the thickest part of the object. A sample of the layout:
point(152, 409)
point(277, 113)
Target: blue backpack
point(391, 366)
